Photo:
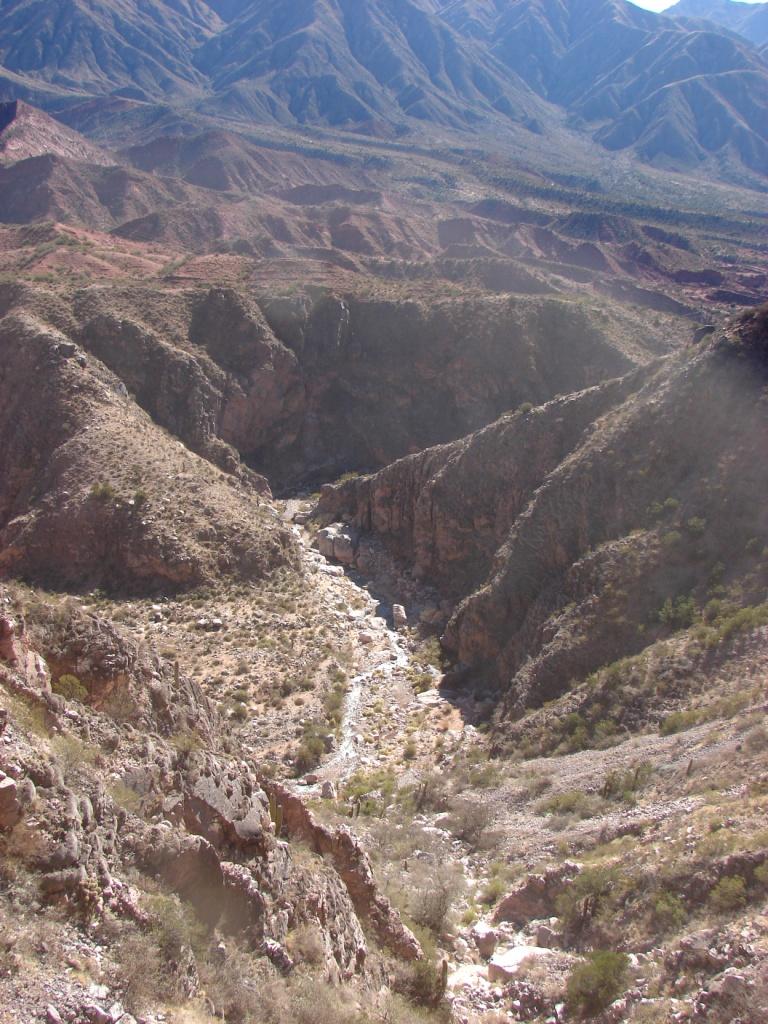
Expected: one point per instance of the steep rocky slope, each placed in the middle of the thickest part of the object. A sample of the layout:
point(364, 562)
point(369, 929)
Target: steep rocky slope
point(95, 494)
point(567, 528)
point(122, 815)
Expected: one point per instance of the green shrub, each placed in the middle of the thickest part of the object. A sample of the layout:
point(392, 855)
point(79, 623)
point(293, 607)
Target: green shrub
point(729, 895)
point(370, 793)
point(311, 749)
point(679, 721)
point(573, 801)
point(623, 785)
point(678, 614)
point(421, 981)
point(596, 890)
point(668, 912)
point(696, 526)
point(593, 985)
point(70, 688)
point(469, 820)
point(756, 739)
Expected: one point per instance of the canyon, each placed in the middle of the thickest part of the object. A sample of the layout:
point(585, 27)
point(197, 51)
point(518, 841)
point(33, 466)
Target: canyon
point(383, 531)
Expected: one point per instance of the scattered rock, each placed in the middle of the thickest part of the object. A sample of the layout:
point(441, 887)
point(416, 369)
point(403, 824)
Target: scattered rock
point(10, 805)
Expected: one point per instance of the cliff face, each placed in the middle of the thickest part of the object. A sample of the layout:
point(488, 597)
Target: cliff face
point(447, 511)
point(563, 531)
point(302, 389)
point(95, 494)
point(384, 379)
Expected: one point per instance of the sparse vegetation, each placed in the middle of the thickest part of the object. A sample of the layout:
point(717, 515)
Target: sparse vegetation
point(593, 985)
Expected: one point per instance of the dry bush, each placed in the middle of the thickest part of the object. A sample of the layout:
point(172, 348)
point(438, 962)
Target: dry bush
point(305, 944)
point(469, 820)
point(434, 894)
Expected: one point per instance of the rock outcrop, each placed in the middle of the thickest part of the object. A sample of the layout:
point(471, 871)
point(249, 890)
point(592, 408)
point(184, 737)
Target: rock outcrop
point(353, 866)
point(195, 819)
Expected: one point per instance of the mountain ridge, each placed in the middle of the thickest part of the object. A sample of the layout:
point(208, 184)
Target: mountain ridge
point(603, 69)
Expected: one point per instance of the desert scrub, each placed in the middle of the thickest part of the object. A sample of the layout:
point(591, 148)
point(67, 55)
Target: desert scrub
point(574, 802)
point(668, 912)
point(594, 984)
point(726, 707)
point(625, 785)
point(103, 491)
point(594, 894)
point(729, 895)
point(311, 749)
point(70, 688)
point(370, 793)
point(678, 613)
point(154, 963)
point(469, 820)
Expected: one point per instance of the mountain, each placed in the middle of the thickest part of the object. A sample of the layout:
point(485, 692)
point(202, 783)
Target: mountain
point(638, 80)
point(27, 132)
point(356, 63)
point(107, 46)
point(680, 94)
point(749, 20)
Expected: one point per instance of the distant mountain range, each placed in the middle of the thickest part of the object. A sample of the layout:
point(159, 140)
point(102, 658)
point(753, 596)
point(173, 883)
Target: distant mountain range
point(749, 20)
point(677, 93)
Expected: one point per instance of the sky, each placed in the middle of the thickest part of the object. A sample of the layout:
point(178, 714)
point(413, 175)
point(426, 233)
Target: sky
point(654, 5)
point(661, 5)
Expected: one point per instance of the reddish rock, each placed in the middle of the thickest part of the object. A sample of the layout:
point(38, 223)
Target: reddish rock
point(534, 897)
point(353, 866)
point(10, 805)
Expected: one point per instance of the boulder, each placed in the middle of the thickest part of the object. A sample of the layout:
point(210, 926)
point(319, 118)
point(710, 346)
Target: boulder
point(8, 650)
point(485, 938)
point(534, 897)
point(399, 616)
point(505, 964)
point(10, 805)
point(548, 937)
point(338, 542)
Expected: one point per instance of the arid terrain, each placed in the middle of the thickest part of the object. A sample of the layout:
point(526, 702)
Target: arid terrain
point(383, 512)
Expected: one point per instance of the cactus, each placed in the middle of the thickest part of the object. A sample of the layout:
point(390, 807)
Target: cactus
point(442, 982)
point(276, 814)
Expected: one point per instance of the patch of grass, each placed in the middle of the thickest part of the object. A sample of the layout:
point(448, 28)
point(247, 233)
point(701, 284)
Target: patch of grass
point(103, 491)
point(574, 802)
